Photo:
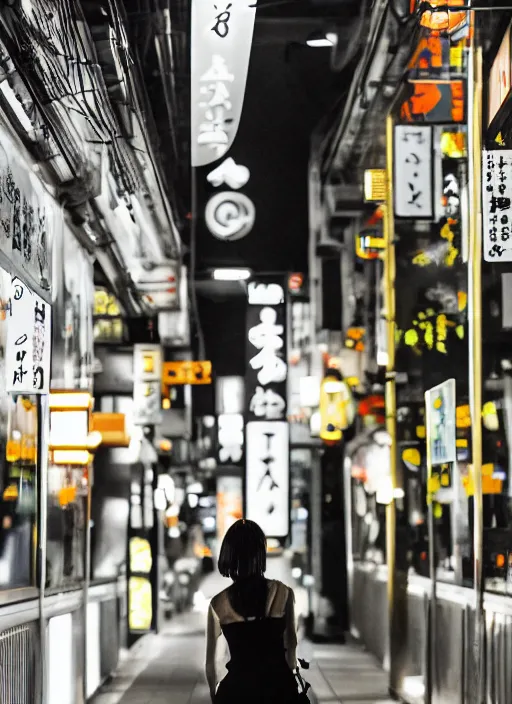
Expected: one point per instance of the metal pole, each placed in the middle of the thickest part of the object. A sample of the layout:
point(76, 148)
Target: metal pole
point(475, 344)
point(42, 455)
point(87, 575)
point(389, 305)
point(431, 622)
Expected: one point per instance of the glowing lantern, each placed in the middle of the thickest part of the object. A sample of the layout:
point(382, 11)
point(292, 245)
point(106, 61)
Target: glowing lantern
point(336, 407)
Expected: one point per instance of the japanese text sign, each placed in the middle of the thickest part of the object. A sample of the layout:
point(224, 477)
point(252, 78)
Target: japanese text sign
point(28, 353)
point(147, 370)
point(230, 438)
point(413, 177)
point(440, 408)
point(181, 373)
point(496, 202)
point(221, 39)
point(267, 368)
point(267, 485)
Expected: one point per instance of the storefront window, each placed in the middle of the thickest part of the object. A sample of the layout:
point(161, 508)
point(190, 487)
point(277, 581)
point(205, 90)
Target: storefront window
point(65, 546)
point(369, 470)
point(18, 453)
point(432, 348)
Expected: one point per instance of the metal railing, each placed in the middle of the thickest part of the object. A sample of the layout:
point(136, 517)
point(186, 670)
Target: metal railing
point(17, 671)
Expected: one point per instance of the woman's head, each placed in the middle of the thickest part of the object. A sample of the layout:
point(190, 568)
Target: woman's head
point(244, 551)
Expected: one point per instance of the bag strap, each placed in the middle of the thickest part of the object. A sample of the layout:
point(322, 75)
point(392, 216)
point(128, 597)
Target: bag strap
point(305, 686)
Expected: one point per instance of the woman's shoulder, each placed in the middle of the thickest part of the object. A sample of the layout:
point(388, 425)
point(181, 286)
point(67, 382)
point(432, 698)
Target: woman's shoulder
point(280, 586)
point(219, 598)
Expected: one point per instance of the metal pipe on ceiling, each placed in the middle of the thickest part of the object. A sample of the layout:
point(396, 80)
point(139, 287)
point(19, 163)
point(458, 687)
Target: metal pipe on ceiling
point(372, 64)
point(165, 55)
point(387, 47)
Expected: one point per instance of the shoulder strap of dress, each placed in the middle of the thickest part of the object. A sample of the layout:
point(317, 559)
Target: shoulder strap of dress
point(278, 596)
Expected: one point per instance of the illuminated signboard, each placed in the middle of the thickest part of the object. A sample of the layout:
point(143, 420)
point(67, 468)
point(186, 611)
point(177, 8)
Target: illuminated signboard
point(267, 486)
point(220, 39)
point(147, 371)
point(186, 372)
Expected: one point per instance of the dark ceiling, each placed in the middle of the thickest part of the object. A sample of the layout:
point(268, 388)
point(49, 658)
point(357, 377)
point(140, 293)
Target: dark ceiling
point(290, 88)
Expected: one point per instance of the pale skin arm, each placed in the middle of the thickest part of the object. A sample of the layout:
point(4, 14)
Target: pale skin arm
point(213, 632)
point(290, 633)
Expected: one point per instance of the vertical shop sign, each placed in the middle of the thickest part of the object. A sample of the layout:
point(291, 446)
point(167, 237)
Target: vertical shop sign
point(413, 176)
point(267, 434)
point(28, 352)
point(221, 39)
point(496, 205)
point(267, 370)
point(230, 438)
point(267, 481)
point(229, 215)
point(147, 372)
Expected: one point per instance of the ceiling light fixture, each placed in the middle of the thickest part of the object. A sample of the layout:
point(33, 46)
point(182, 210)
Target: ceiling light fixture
point(317, 40)
point(231, 274)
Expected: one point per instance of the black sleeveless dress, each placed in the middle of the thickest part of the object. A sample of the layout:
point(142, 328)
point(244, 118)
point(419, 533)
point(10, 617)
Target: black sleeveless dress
point(258, 672)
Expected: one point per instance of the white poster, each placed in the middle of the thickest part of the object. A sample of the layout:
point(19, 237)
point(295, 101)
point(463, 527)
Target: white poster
point(28, 353)
point(221, 39)
point(440, 407)
point(26, 214)
point(413, 176)
point(267, 482)
point(496, 202)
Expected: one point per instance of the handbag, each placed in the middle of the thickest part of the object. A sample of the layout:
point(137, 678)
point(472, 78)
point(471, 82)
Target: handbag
point(304, 686)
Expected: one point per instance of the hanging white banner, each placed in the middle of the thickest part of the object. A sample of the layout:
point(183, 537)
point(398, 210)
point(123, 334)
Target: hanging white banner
point(221, 39)
point(413, 172)
point(28, 353)
point(497, 205)
point(267, 480)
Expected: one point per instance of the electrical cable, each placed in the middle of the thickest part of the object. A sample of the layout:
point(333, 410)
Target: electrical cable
point(193, 263)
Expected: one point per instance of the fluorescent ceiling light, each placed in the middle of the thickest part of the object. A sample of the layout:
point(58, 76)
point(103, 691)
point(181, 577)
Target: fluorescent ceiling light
point(319, 42)
point(231, 274)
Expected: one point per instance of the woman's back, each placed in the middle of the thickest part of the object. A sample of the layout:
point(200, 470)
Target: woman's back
point(262, 641)
point(257, 617)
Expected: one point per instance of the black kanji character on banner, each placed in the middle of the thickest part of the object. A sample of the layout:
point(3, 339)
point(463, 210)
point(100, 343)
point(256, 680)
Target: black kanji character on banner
point(40, 313)
point(19, 290)
point(496, 250)
point(415, 196)
point(268, 461)
point(221, 26)
point(413, 159)
point(420, 137)
point(499, 203)
point(28, 229)
point(16, 220)
point(38, 378)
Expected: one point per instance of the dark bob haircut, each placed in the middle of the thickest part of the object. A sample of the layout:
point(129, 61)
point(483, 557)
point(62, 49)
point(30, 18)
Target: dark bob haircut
point(244, 551)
